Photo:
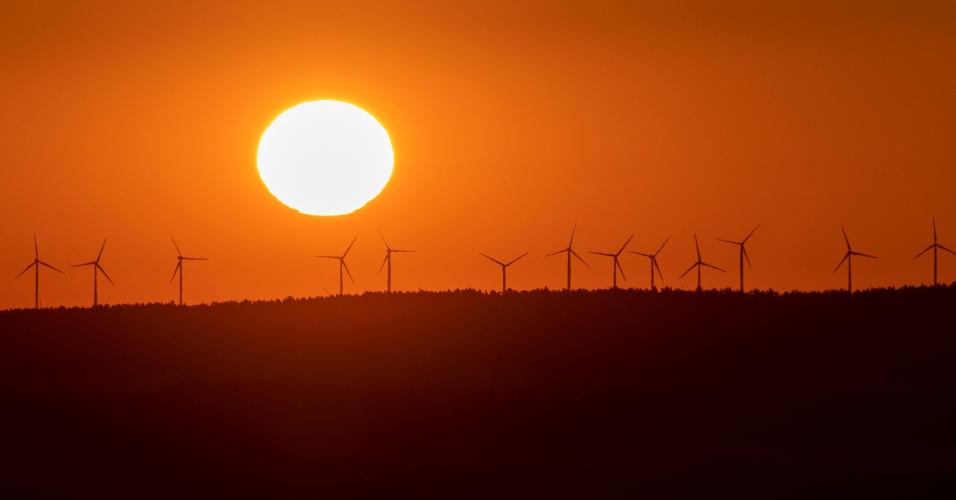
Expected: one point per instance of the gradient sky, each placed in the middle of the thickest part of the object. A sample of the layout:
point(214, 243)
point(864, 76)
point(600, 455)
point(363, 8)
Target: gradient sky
point(510, 123)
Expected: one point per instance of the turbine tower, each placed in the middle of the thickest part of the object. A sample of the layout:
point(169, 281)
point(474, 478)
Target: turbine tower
point(342, 265)
point(848, 258)
point(388, 260)
point(935, 247)
point(617, 263)
point(699, 264)
point(97, 268)
point(36, 269)
point(570, 251)
point(504, 269)
point(654, 266)
point(742, 254)
point(179, 267)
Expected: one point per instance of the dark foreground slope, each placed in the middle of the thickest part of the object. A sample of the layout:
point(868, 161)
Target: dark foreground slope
point(464, 394)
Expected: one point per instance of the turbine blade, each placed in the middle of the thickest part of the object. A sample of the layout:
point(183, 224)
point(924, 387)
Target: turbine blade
point(861, 254)
point(712, 267)
point(51, 267)
point(556, 253)
point(101, 250)
point(401, 251)
point(751, 233)
point(845, 257)
point(948, 250)
point(195, 258)
point(697, 245)
point(516, 259)
point(104, 273)
point(620, 268)
point(84, 264)
point(349, 247)
point(642, 254)
point(728, 241)
point(25, 270)
point(624, 245)
point(689, 269)
point(178, 251)
point(658, 267)
point(383, 240)
point(383, 263)
point(604, 254)
point(573, 229)
point(496, 261)
point(662, 246)
point(845, 238)
point(328, 257)
point(746, 256)
point(179, 264)
point(579, 258)
point(346, 266)
point(924, 251)
point(36, 249)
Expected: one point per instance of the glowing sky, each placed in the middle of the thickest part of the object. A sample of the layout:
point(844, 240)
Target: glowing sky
point(509, 123)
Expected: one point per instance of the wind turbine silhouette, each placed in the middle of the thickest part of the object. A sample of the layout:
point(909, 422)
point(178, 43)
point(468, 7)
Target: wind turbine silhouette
point(179, 267)
point(743, 254)
point(848, 258)
point(570, 251)
point(654, 265)
point(342, 265)
point(97, 268)
point(935, 247)
point(617, 262)
point(699, 264)
point(388, 260)
point(504, 269)
point(36, 268)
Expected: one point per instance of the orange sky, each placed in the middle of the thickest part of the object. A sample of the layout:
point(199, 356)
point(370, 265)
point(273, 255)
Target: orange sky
point(509, 124)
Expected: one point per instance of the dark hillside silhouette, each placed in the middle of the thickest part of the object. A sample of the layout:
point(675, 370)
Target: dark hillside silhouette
point(465, 394)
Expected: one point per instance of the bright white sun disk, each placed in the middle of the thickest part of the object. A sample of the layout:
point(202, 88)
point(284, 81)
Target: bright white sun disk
point(325, 158)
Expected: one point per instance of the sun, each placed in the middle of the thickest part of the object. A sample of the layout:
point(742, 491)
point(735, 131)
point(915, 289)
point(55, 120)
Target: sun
point(325, 157)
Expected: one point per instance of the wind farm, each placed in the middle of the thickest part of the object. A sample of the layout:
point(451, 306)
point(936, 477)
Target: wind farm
point(569, 253)
point(475, 347)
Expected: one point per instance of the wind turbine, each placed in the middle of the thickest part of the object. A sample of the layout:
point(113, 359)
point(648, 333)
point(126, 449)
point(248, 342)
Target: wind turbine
point(935, 247)
point(742, 254)
point(617, 262)
point(504, 269)
point(570, 251)
point(342, 265)
point(699, 264)
point(388, 260)
point(179, 267)
point(654, 265)
point(36, 268)
point(848, 258)
point(97, 268)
